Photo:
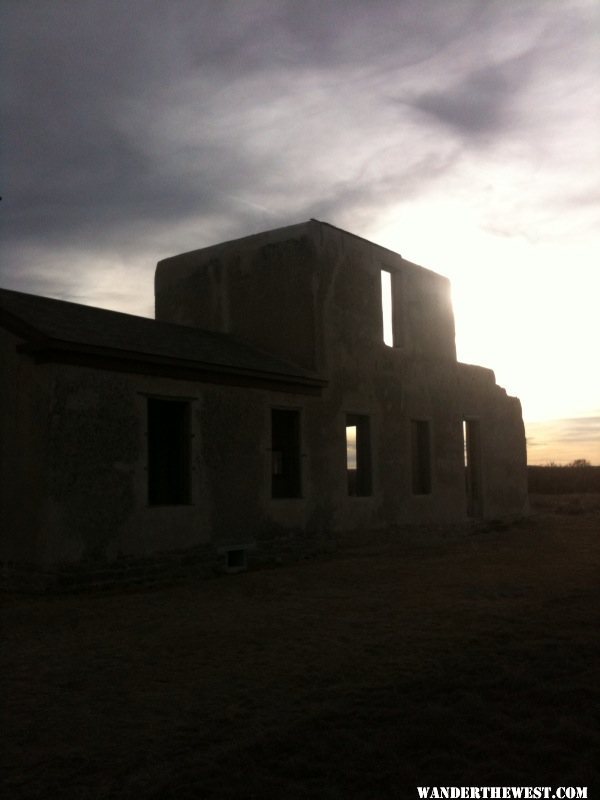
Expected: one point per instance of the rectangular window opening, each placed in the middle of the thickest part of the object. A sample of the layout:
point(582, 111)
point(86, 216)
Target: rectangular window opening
point(285, 453)
point(236, 560)
point(358, 455)
point(169, 452)
point(387, 307)
point(421, 456)
point(472, 464)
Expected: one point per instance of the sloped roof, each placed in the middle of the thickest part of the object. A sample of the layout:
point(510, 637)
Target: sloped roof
point(56, 330)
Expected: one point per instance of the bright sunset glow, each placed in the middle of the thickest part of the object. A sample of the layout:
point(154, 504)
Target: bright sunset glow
point(387, 307)
point(521, 311)
point(462, 134)
point(350, 446)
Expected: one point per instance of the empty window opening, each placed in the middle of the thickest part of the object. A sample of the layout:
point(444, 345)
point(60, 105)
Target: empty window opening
point(358, 455)
point(169, 452)
point(387, 307)
point(285, 453)
point(236, 560)
point(421, 456)
point(472, 464)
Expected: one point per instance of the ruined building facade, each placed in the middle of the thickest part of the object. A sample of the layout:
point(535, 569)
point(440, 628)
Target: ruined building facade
point(260, 415)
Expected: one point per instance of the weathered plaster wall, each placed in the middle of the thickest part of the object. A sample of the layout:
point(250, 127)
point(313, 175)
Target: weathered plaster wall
point(392, 385)
point(349, 307)
point(260, 289)
point(87, 475)
point(98, 495)
point(297, 290)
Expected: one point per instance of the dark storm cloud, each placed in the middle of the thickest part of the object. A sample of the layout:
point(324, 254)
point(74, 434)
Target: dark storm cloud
point(92, 144)
point(143, 128)
point(137, 129)
point(80, 153)
point(318, 34)
point(480, 102)
point(361, 192)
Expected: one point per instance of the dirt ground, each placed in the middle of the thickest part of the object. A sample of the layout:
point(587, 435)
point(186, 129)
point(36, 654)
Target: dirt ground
point(396, 662)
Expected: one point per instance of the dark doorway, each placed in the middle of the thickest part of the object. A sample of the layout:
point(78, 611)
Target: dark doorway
point(358, 455)
point(285, 453)
point(472, 461)
point(168, 452)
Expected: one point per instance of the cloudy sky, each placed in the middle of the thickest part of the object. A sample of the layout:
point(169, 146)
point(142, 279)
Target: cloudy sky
point(464, 134)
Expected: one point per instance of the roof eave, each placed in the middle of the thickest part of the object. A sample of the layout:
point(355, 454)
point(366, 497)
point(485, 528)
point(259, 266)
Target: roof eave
point(56, 351)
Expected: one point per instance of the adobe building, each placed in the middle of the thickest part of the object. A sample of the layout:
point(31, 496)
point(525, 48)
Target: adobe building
point(261, 415)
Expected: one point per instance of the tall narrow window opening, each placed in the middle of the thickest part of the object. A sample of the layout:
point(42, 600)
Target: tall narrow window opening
point(285, 453)
point(387, 307)
point(358, 455)
point(169, 452)
point(421, 456)
point(472, 462)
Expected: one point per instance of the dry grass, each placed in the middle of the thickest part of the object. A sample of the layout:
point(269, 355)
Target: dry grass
point(471, 660)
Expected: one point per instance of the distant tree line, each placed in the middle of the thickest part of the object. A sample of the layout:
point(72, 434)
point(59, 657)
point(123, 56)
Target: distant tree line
point(575, 478)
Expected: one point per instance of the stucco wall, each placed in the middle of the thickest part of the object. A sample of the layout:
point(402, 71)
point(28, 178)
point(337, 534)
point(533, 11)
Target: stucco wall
point(305, 291)
point(259, 289)
point(88, 489)
point(86, 477)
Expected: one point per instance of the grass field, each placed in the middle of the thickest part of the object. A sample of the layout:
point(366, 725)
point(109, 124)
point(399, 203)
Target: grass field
point(468, 660)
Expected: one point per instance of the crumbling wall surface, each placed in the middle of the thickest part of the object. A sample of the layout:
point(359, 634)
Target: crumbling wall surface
point(94, 442)
point(414, 380)
point(503, 447)
point(306, 291)
point(78, 447)
point(24, 413)
point(259, 289)
point(417, 380)
point(313, 293)
point(350, 304)
point(89, 518)
point(97, 478)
